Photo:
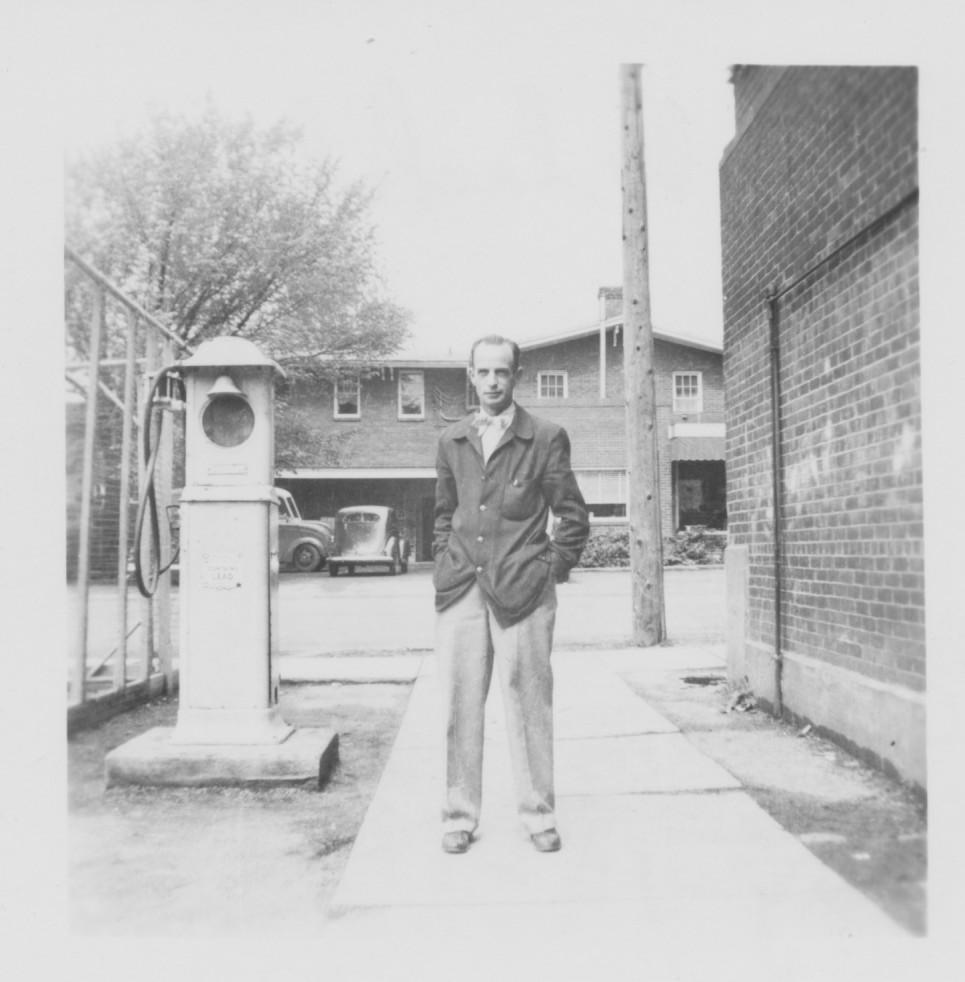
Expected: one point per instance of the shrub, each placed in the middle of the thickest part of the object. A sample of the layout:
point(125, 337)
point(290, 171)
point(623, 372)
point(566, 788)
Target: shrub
point(696, 547)
point(611, 547)
point(606, 547)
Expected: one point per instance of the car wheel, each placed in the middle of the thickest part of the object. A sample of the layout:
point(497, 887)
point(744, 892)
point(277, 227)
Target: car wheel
point(333, 569)
point(307, 558)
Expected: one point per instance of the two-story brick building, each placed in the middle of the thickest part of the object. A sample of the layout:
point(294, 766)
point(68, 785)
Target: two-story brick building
point(382, 423)
point(819, 197)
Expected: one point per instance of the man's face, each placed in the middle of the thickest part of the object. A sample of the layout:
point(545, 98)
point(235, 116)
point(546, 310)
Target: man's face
point(493, 377)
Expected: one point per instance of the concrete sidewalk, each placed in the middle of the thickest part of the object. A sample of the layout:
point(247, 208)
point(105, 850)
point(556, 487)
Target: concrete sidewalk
point(669, 870)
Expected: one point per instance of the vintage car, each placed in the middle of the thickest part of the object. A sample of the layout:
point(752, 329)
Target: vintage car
point(303, 544)
point(368, 535)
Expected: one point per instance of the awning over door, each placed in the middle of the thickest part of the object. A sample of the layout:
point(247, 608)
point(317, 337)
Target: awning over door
point(697, 448)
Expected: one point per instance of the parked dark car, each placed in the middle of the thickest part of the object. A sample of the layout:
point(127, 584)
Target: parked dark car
point(368, 535)
point(303, 544)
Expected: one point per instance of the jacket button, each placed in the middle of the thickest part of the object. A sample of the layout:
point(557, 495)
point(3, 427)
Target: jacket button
point(479, 538)
point(479, 569)
point(482, 507)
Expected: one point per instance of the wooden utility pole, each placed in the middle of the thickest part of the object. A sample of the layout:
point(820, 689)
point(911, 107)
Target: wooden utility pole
point(646, 540)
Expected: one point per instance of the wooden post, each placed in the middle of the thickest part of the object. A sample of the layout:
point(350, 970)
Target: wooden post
point(646, 540)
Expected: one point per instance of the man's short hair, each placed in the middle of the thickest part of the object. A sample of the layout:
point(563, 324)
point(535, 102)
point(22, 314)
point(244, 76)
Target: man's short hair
point(495, 339)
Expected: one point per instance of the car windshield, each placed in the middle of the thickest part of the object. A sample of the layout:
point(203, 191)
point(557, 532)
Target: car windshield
point(361, 518)
point(287, 507)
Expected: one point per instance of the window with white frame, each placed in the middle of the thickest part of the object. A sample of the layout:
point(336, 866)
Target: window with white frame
point(348, 398)
point(551, 385)
point(412, 395)
point(688, 393)
point(605, 493)
point(472, 396)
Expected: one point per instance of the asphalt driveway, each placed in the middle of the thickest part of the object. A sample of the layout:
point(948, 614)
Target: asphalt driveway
point(373, 612)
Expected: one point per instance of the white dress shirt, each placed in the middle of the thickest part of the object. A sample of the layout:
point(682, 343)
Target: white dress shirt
point(491, 428)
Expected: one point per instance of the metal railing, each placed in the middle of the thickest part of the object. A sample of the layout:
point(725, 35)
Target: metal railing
point(119, 640)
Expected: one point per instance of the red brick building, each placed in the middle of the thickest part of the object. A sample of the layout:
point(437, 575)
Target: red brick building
point(819, 198)
point(381, 427)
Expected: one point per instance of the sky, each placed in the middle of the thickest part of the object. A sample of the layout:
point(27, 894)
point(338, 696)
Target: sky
point(490, 133)
point(495, 162)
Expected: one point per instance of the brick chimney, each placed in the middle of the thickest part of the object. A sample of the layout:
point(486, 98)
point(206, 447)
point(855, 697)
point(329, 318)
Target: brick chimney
point(611, 301)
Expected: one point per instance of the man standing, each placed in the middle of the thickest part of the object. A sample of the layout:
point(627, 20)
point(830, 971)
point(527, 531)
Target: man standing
point(500, 473)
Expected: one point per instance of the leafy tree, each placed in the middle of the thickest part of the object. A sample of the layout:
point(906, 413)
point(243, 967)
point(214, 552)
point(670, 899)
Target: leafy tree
point(219, 227)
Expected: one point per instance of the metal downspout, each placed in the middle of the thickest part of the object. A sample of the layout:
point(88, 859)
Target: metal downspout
point(773, 303)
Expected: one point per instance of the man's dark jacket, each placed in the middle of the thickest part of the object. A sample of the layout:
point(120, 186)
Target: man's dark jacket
point(491, 518)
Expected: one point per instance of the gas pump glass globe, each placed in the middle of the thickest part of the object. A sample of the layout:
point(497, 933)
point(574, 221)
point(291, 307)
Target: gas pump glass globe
point(228, 420)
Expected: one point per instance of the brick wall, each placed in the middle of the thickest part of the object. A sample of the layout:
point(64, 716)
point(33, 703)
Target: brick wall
point(597, 431)
point(852, 505)
point(670, 358)
point(379, 438)
point(825, 167)
point(752, 85)
point(596, 427)
point(580, 358)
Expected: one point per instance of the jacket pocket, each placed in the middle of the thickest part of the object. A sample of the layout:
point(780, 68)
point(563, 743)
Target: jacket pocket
point(560, 572)
point(441, 569)
point(522, 499)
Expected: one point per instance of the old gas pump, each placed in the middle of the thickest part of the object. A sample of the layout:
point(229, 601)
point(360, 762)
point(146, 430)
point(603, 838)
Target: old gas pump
point(229, 549)
point(229, 728)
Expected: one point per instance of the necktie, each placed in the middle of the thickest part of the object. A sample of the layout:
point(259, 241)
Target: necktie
point(483, 421)
point(490, 430)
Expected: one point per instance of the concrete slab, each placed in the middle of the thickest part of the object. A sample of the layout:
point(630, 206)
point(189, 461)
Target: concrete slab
point(590, 703)
point(650, 764)
point(423, 724)
point(657, 764)
point(586, 702)
point(305, 757)
point(673, 851)
point(377, 668)
point(660, 843)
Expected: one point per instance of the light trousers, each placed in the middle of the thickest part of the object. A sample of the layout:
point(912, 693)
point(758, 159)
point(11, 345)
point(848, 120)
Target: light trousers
point(468, 642)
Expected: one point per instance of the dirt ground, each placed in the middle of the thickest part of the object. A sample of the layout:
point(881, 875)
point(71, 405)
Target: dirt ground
point(138, 856)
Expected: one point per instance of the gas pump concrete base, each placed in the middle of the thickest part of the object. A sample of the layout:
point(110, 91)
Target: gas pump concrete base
point(304, 758)
point(230, 726)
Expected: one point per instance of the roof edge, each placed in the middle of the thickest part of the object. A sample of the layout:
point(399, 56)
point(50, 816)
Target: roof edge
point(586, 330)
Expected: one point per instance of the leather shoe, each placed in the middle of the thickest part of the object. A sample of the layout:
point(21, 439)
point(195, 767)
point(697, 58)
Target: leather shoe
point(456, 842)
point(548, 841)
